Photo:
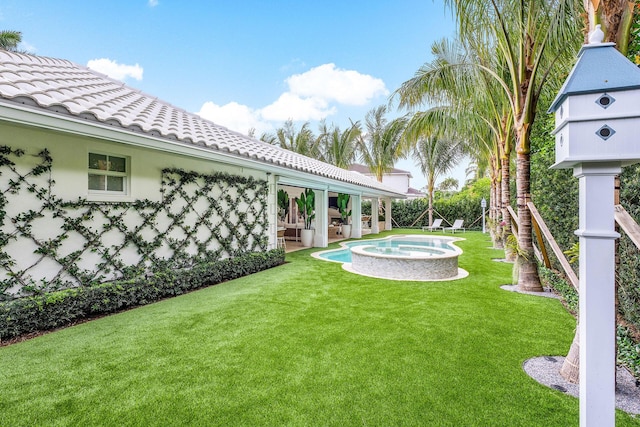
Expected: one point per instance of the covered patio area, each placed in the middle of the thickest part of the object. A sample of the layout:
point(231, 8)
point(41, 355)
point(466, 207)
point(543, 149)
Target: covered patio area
point(327, 222)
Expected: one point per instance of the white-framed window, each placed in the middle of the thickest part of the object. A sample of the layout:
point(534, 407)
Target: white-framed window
point(108, 174)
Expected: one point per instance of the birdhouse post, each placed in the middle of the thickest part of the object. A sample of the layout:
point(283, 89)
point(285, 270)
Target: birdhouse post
point(597, 116)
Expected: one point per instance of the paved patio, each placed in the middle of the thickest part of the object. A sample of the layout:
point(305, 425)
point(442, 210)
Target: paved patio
point(293, 245)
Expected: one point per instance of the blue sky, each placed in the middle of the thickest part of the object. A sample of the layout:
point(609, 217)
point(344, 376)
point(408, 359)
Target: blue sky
point(245, 64)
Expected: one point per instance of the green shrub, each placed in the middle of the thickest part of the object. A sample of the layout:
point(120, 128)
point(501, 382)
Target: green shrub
point(568, 293)
point(464, 204)
point(628, 350)
point(555, 194)
point(554, 191)
point(60, 308)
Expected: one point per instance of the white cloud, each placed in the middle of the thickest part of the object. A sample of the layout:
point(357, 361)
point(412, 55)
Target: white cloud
point(312, 96)
point(235, 116)
point(114, 70)
point(327, 82)
point(153, 3)
point(292, 106)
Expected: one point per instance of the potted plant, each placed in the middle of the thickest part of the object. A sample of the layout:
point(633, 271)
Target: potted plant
point(345, 213)
point(283, 204)
point(306, 206)
point(381, 222)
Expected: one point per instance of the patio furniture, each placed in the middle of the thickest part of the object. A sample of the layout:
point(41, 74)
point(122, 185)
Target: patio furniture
point(292, 231)
point(457, 225)
point(280, 233)
point(436, 224)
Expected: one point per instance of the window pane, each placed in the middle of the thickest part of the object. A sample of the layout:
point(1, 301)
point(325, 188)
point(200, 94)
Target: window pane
point(97, 161)
point(115, 183)
point(96, 182)
point(117, 164)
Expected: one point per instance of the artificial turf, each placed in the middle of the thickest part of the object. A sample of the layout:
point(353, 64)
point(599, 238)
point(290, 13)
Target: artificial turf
point(304, 344)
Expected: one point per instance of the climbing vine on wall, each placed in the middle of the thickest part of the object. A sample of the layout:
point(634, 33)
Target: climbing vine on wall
point(47, 243)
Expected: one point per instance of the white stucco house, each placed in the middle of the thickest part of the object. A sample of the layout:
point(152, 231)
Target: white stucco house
point(97, 177)
point(398, 179)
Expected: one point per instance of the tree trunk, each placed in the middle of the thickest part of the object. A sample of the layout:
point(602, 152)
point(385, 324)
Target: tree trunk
point(570, 369)
point(612, 14)
point(430, 208)
point(528, 279)
point(497, 213)
point(505, 200)
point(492, 213)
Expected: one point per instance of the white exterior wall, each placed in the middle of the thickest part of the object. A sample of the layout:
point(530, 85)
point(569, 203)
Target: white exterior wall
point(399, 183)
point(272, 209)
point(70, 156)
point(69, 172)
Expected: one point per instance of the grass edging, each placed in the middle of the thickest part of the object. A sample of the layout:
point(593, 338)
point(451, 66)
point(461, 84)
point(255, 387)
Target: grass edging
point(60, 308)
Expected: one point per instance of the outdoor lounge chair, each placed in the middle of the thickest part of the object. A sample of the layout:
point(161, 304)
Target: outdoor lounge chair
point(457, 225)
point(435, 225)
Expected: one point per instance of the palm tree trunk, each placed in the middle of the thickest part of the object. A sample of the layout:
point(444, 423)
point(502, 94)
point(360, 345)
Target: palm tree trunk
point(430, 208)
point(495, 214)
point(570, 369)
point(528, 279)
point(505, 200)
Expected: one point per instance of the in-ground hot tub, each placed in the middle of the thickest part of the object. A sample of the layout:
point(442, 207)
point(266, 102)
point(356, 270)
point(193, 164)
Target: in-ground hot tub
point(405, 262)
point(400, 257)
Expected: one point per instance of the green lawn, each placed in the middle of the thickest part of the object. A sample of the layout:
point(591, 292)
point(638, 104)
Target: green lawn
point(304, 344)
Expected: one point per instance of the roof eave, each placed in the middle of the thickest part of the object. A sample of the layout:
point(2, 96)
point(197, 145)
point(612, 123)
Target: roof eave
point(29, 116)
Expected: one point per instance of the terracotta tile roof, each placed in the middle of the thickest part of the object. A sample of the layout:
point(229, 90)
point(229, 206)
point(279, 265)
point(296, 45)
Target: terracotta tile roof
point(64, 87)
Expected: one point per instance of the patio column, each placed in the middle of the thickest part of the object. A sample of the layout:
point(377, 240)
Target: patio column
point(321, 236)
point(272, 210)
point(387, 213)
point(375, 207)
point(356, 216)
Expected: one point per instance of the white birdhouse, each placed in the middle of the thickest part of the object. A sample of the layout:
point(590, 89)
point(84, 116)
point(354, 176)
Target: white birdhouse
point(598, 108)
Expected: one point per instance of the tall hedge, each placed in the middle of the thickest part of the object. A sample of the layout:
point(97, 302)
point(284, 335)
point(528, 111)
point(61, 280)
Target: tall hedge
point(465, 205)
point(555, 194)
point(553, 191)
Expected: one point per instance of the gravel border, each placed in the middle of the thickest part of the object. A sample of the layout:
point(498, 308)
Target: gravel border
point(546, 370)
point(514, 288)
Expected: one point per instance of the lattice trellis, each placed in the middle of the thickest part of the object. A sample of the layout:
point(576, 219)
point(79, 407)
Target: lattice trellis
point(47, 243)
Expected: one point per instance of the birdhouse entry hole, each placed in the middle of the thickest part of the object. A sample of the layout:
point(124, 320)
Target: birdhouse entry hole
point(605, 101)
point(605, 132)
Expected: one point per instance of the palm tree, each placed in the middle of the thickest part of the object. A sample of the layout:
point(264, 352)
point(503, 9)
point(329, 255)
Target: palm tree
point(302, 141)
point(531, 38)
point(448, 184)
point(615, 18)
point(436, 156)
point(382, 144)
point(481, 110)
point(9, 40)
point(340, 148)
